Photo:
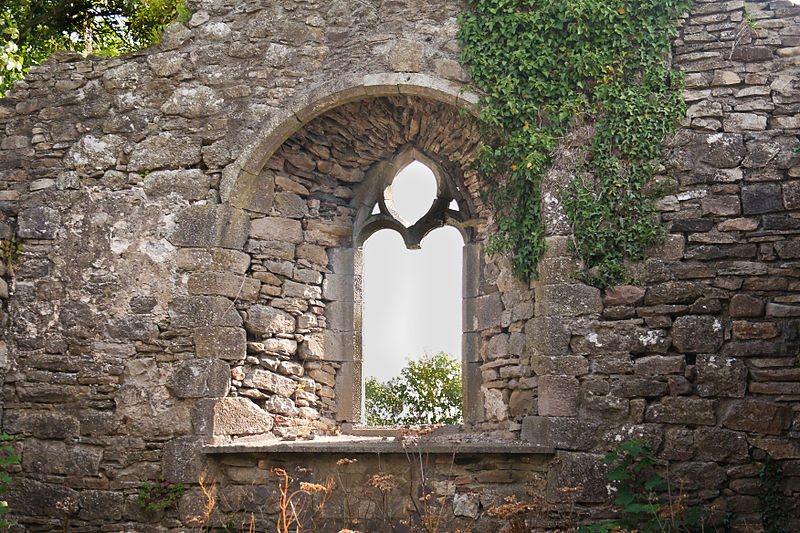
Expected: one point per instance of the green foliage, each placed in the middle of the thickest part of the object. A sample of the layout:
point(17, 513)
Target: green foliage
point(427, 391)
point(10, 250)
point(547, 67)
point(770, 497)
point(160, 494)
point(30, 30)
point(641, 496)
point(8, 457)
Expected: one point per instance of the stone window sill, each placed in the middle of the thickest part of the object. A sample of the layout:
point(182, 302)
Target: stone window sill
point(458, 444)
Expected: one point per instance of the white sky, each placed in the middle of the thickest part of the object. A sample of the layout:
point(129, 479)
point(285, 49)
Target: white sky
point(412, 298)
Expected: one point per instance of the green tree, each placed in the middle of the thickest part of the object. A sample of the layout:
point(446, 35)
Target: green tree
point(427, 391)
point(30, 30)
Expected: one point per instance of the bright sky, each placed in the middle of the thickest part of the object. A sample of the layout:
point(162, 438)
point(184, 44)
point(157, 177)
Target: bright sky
point(412, 298)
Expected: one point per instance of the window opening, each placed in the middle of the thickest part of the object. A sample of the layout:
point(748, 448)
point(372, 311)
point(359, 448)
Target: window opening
point(412, 192)
point(412, 300)
point(411, 305)
point(381, 205)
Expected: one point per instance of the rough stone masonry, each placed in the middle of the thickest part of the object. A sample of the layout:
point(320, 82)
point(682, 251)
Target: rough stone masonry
point(187, 293)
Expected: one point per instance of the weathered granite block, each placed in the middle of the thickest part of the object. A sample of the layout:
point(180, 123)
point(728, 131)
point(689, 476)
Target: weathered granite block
point(263, 320)
point(697, 333)
point(761, 198)
point(219, 342)
point(200, 378)
point(558, 395)
point(229, 416)
point(715, 444)
point(224, 284)
point(100, 505)
point(269, 381)
point(56, 457)
point(680, 410)
point(202, 311)
point(210, 226)
point(567, 300)
point(559, 432)
point(548, 335)
point(720, 376)
point(38, 223)
point(277, 229)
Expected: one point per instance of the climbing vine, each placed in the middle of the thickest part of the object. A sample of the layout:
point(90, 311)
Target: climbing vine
point(548, 67)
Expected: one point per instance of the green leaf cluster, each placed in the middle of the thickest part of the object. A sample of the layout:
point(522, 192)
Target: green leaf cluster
point(8, 457)
point(548, 66)
point(428, 391)
point(770, 497)
point(646, 502)
point(160, 494)
point(30, 30)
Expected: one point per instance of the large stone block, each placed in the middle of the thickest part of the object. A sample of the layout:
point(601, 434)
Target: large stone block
point(40, 425)
point(567, 300)
point(744, 305)
point(200, 378)
point(406, 56)
point(253, 192)
point(264, 320)
point(201, 311)
point(165, 150)
point(328, 346)
point(277, 229)
point(723, 150)
point(483, 312)
point(56, 457)
point(716, 444)
point(193, 102)
point(230, 416)
point(558, 432)
point(761, 198)
point(558, 395)
point(568, 365)
point(220, 259)
point(337, 232)
point(38, 223)
point(338, 287)
point(624, 295)
point(634, 387)
point(224, 343)
point(131, 328)
point(191, 184)
point(269, 381)
point(93, 153)
point(34, 498)
point(696, 475)
point(658, 365)
point(680, 410)
point(578, 470)
point(100, 505)
point(183, 460)
point(756, 416)
point(720, 376)
point(224, 284)
point(210, 226)
point(494, 404)
point(548, 335)
point(697, 333)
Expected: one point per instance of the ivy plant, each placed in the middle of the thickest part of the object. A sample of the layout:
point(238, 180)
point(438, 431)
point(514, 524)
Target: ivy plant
point(546, 67)
point(646, 503)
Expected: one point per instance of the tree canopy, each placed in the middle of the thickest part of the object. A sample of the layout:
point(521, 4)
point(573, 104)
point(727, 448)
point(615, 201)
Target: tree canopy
point(30, 30)
point(427, 391)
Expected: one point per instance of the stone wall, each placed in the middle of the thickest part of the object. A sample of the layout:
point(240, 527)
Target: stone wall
point(190, 219)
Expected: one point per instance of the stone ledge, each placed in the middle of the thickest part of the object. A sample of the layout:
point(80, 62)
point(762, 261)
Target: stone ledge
point(381, 445)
